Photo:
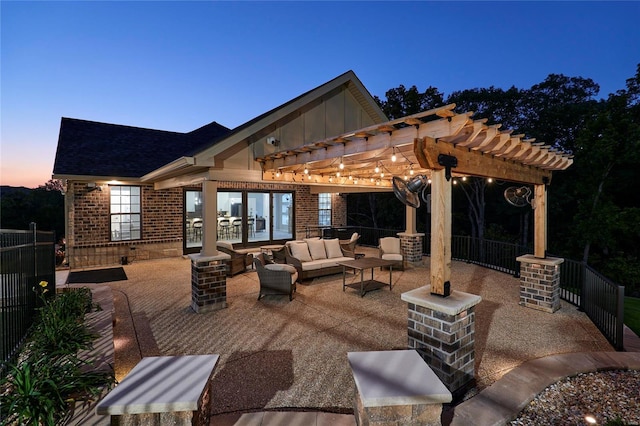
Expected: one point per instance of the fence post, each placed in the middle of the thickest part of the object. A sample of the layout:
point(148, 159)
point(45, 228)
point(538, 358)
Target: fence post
point(34, 245)
point(620, 320)
point(583, 286)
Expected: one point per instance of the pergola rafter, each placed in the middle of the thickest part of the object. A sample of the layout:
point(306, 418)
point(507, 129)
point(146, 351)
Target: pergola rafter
point(480, 149)
point(438, 142)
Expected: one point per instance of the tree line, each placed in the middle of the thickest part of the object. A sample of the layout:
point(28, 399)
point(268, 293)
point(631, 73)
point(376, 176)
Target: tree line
point(593, 206)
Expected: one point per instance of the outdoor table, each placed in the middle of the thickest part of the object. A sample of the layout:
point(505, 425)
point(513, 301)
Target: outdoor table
point(362, 264)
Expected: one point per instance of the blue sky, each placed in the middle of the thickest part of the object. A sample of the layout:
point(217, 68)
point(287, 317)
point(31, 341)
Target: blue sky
point(179, 65)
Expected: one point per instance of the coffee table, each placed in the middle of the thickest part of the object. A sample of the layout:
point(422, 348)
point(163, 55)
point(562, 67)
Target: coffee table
point(362, 264)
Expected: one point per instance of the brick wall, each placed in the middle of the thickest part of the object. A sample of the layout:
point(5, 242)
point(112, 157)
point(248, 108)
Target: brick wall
point(88, 228)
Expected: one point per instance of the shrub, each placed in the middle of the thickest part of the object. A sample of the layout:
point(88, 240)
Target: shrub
point(49, 375)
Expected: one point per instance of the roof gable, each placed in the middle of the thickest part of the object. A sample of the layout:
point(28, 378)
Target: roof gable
point(264, 123)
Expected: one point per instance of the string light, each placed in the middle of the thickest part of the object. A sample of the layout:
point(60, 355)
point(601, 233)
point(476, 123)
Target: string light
point(382, 174)
point(278, 173)
point(341, 165)
point(464, 178)
point(306, 170)
point(490, 180)
point(393, 156)
point(411, 169)
point(377, 169)
point(337, 174)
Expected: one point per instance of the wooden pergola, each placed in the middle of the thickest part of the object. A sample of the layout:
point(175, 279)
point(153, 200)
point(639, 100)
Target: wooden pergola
point(439, 143)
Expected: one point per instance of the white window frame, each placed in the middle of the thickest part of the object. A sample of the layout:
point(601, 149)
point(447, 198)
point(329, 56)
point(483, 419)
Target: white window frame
point(125, 212)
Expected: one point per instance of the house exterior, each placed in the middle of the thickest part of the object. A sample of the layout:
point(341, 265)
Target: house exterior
point(134, 193)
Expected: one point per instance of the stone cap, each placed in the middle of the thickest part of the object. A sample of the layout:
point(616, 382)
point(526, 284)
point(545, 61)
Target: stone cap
point(199, 258)
point(161, 384)
point(549, 261)
point(386, 378)
point(453, 304)
point(409, 234)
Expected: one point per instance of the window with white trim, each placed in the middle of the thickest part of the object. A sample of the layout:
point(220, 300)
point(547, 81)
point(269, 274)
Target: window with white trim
point(324, 209)
point(125, 213)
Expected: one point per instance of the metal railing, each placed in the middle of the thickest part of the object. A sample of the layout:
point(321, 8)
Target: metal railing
point(600, 298)
point(26, 258)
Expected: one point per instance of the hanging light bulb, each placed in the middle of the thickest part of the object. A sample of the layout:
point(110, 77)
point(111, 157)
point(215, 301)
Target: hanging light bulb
point(490, 180)
point(411, 169)
point(377, 169)
point(382, 174)
point(309, 177)
point(393, 156)
point(278, 173)
point(330, 178)
point(306, 170)
point(355, 181)
point(341, 165)
point(406, 177)
point(337, 174)
point(464, 178)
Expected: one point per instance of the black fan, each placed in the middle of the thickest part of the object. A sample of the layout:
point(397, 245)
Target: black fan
point(407, 192)
point(518, 196)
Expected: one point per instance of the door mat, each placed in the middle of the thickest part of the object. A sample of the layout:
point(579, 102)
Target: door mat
point(97, 276)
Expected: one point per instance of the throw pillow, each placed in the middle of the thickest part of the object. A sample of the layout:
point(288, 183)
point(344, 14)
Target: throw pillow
point(280, 267)
point(333, 248)
point(316, 249)
point(300, 251)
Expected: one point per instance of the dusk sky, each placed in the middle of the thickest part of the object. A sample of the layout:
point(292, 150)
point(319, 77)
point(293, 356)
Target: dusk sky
point(179, 65)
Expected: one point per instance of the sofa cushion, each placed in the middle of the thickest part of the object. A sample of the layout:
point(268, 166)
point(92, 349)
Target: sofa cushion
point(330, 263)
point(313, 265)
point(392, 256)
point(332, 248)
point(390, 244)
point(280, 267)
point(316, 249)
point(225, 244)
point(301, 252)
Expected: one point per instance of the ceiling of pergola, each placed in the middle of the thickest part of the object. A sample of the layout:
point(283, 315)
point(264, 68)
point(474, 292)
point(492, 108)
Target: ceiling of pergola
point(481, 150)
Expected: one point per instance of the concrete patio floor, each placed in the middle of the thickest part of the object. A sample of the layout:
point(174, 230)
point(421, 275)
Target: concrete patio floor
point(277, 355)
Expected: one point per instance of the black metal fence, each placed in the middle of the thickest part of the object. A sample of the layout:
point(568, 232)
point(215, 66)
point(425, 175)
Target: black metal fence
point(26, 259)
point(600, 298)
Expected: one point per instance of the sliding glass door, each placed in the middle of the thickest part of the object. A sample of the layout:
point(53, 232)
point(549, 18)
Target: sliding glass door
point(244, 218)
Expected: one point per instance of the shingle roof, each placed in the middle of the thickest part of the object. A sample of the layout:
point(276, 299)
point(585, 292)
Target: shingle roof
point(89, 148)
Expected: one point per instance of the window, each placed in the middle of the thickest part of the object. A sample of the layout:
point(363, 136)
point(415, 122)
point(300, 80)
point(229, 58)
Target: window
point(125, 213)
point(324, 209)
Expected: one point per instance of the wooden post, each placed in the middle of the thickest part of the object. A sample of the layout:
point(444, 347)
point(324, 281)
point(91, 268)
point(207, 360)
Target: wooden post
point(540, 221)
point(210, 218)
point(440, 233)
point(410, 226)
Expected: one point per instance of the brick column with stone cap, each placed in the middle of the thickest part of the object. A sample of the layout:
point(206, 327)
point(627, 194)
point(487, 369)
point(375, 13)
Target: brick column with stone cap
point(442, 330)
point(411, 247)
point(540, 282)
point(208, 282)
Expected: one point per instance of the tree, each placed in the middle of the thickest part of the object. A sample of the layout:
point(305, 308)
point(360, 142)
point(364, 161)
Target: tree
point(401, 102)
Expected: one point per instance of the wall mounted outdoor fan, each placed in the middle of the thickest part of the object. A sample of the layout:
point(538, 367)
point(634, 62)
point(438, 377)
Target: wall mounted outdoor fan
point(518, 196)
point(407, 191)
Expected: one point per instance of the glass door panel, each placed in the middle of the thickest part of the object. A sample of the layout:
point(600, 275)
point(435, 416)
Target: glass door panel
point(193, 219)
point(259, 219)
point(230, 216)
point(283, 219)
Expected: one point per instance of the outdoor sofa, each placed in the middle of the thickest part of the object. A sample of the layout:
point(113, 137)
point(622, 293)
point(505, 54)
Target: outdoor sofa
point(316, 257)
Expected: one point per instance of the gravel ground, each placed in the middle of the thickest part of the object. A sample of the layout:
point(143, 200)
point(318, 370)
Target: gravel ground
point(605, 396)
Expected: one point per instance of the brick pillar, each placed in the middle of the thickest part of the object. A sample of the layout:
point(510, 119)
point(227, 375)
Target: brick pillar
point(540, 282)
point(411, 247)
point(208, 283)
point(442, 330)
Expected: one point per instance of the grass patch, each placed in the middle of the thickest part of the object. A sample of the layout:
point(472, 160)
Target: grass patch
point(632, 314)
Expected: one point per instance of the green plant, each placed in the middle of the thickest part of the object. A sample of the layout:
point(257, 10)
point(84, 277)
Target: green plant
point(50, 376)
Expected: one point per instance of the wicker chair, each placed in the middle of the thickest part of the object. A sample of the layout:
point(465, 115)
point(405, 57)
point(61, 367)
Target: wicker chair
point(238, 262)
point(350, 244)
point(276, 278)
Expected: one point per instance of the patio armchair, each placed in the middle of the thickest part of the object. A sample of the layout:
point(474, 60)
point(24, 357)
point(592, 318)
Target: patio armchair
point(238, 262)
point(389, 249)
point(275, 278)
point(349, 246)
